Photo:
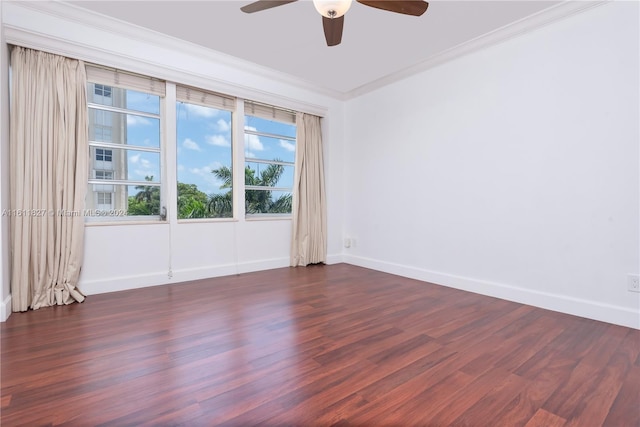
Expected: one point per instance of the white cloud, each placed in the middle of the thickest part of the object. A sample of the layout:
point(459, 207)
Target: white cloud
point(142, 167)
point(211, 183)
point(190, 144)
point(287, 145)
point(205, 170)
point(223, 125)
point(218, 140)
point(252, 143)
point(180, 167)
point(137, 120)
point(200, 111)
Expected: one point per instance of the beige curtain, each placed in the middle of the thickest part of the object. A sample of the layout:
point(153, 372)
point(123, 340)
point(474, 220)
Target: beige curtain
point(309, 236)
point(49, 160)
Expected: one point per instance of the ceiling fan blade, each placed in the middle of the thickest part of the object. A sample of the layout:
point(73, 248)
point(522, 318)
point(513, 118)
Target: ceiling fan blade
point(406, 7)
point(259, 5)
point(333, 30)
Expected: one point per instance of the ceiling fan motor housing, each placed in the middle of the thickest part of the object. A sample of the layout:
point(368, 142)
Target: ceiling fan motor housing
point(332, 8)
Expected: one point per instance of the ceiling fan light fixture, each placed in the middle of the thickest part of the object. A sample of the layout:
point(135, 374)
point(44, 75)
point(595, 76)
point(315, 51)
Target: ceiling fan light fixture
point(332, 8)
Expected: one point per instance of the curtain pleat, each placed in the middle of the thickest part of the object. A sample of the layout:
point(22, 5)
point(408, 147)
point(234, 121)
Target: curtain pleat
point(309, 233)
point(49, 160)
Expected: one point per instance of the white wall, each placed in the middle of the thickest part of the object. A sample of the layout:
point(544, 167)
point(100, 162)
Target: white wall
point(511, 172)
point(5, 296)
point(128, 256)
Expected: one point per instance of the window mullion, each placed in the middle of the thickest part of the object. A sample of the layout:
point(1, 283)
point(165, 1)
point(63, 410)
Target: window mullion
point(125, 182)
point(102, 107)
point(170, 177)
point(238, 161)
point(112, 145)
point(270, 162)
point(269, 135)
point(262, 188)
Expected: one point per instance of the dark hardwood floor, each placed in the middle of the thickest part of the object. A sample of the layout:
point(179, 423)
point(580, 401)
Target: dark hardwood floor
point(315, 346)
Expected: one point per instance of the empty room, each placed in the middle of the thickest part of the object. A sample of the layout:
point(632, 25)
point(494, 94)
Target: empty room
point(317, 213)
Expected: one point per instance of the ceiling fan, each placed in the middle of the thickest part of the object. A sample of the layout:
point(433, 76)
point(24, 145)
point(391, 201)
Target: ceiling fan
point(333, 11)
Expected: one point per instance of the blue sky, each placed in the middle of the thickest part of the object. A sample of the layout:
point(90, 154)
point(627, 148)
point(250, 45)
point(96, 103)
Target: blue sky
point(204, 142)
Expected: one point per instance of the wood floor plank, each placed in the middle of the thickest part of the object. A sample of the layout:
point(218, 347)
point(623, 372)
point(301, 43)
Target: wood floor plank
point(543, 418)
point(533, 395)
point(317, 346)
point(412, 402)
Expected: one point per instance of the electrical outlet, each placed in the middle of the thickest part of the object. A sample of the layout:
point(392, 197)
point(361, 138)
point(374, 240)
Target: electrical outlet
point(347, 242)
point(633, 281)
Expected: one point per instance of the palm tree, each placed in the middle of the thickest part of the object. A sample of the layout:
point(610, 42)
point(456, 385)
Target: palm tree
point(146, 192)
point(221, 205)
point(282, 204)
point(256, 201)
point(146, 201)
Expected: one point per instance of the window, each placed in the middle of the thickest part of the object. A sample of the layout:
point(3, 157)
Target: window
point(102, 94)
point(104, 201)
point(102, 126)
point(125, 145)
point(270, 151)
point(204, 154)
point(104, 174)
point(103, 155)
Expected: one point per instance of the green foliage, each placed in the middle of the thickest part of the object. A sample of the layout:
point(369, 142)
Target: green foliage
point(193, 203)
point(256, 201)
point(282, 204)
point(221, 205)
point(146, 201)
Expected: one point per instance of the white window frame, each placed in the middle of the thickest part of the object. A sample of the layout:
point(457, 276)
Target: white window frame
point(277, 114)
point(168, 94)
point(201, 97)
point(117, 79)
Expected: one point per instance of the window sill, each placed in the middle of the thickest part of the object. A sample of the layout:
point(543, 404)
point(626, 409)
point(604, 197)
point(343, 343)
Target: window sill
point(205, 220)
point(268, 217)
point(124, 222)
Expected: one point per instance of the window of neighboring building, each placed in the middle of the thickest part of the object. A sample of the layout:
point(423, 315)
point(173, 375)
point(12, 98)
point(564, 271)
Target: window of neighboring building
point(204, 140)
point(102, 94)
point(104, 200)
point(104, 155)
point(103, 174)
point(125, 145)
point(270, 152)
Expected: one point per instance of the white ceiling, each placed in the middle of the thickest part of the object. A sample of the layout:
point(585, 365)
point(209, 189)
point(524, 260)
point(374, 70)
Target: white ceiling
point(376, 44)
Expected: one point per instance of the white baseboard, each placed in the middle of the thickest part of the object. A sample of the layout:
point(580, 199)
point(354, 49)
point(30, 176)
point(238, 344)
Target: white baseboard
point(122, 283)
point(334, 259)
point(578, 307)
point(185, 275)
point(5, 309)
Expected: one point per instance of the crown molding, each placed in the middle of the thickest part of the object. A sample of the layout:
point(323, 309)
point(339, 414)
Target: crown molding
point(29, 37)
point(510, 31)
